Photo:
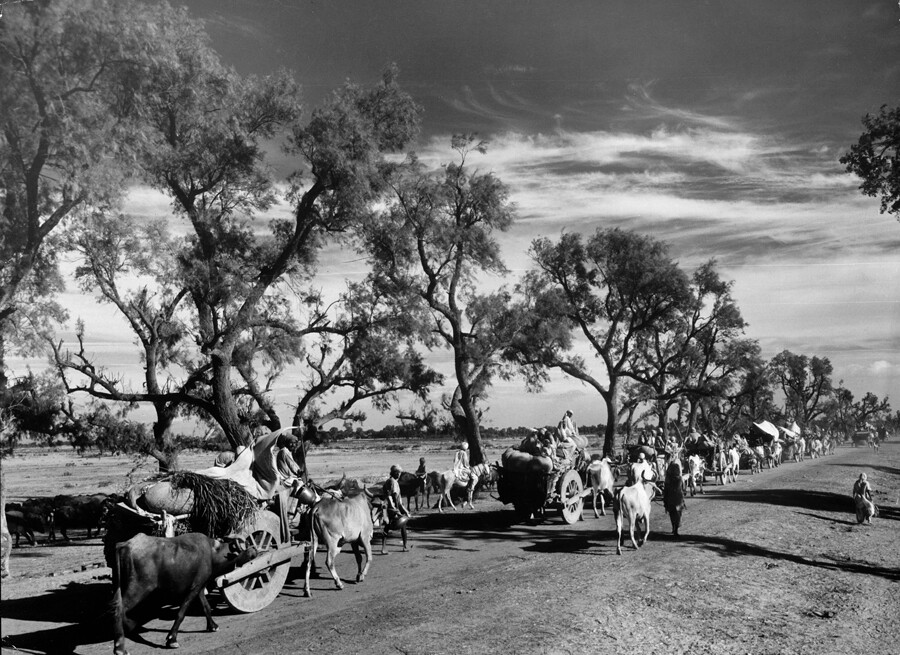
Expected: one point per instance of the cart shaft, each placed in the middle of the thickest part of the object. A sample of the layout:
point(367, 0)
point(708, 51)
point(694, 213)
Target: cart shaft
point(269, 559)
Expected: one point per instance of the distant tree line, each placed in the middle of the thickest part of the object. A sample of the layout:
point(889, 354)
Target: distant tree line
point(222, 296)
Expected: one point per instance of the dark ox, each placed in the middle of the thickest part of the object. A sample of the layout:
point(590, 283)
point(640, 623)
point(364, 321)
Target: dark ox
point(411, 486)
point(151, 571)
point(18, 526)
point(334, 522)
point(78, 512)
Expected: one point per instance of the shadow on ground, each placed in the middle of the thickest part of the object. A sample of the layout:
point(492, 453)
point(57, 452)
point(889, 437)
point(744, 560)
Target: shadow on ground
point(731, 548)
point(76, 603)
point(874, 467)
point(85, 606)
point(824, 501)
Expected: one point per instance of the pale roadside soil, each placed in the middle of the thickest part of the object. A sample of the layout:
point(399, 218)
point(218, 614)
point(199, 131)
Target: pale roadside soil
point(773, 564)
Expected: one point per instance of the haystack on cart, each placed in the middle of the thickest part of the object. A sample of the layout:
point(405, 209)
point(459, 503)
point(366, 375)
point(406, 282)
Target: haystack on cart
point(532, 486)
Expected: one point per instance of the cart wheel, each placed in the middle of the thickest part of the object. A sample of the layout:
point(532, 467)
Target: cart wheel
point(570, 488)
point(257, 590)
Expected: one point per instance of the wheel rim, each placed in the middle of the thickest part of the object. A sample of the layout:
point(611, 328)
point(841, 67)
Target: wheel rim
point(570, 497)
point(259, 589)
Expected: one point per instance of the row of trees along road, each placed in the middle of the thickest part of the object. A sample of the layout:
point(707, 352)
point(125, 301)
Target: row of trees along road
point(222, 295)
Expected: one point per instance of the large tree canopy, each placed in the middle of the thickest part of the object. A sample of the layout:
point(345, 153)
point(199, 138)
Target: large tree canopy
point(64, 140)
point(431, 248)
point(876, 158)
point(241, 296)
point(805, 382)
point(613, 290)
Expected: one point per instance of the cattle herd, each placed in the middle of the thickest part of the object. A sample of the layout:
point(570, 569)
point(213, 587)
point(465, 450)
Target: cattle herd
point(61, 513)
point(181, 567)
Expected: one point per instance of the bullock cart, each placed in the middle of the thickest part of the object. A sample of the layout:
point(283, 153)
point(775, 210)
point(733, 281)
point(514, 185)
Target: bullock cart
point(248, 588)
point(219, 507)
point(861, 438)
point(535, 490)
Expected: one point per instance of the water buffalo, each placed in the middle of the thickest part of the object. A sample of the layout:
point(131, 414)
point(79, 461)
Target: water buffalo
point(174, 569)
point(18, 526)
point(79, 512)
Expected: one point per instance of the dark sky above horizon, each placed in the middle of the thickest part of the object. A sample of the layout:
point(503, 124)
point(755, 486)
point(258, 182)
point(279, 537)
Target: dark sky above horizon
point(809, 69)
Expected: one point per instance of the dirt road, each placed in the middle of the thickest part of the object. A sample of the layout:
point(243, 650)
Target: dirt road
point(775, 563)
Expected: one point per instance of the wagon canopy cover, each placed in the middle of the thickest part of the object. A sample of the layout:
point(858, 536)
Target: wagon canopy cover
point(767, 431)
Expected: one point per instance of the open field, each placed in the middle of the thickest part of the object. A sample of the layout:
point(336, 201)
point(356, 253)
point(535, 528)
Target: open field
point(42, 472)
point(775, 563)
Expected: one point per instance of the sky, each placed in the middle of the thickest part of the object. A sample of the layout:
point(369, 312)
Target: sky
point(714, 126)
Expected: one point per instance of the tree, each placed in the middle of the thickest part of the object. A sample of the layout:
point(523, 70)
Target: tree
point(369, 354)
point(63, 148)
point(429, 248)
point(869, 408)
point(32, 406)
point(718, 355)
point(616, 289)
point(697, 353)
point(744, 397)
point(805, 382)
point(876, 158)
point(239, 294)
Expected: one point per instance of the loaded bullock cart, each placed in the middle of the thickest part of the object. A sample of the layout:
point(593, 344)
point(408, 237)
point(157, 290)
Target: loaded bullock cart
point(534, 482)
point(861, 438)
point(229, 503)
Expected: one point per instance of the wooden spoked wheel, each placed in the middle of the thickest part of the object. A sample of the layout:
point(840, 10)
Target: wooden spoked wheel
point(570, 488)
point(259, 589)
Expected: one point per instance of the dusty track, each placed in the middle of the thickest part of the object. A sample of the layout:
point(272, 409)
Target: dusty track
point(773, 564)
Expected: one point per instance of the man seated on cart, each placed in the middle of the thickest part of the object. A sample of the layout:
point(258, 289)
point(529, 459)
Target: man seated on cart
point(567, 431)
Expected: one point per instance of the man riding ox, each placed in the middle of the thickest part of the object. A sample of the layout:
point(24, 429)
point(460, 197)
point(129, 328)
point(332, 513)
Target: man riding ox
point(449, 479)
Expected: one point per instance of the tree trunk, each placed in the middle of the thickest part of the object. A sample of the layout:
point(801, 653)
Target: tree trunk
point(466, 419)
point(168, 460)
point(472, 434)
point(223, 398)
point(612, 414)
point(4, 380)
point(5, 537)
point(166, 453)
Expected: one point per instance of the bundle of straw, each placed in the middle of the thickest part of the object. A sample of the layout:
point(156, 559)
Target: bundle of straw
point(221, 506)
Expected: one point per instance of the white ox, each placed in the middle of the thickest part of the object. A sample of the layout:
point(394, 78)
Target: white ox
point(601, 478)
point(799, 449)
point(733, 463)
point(696, 473)
point(720, 466)
point(816, 449)
point(632, 504)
